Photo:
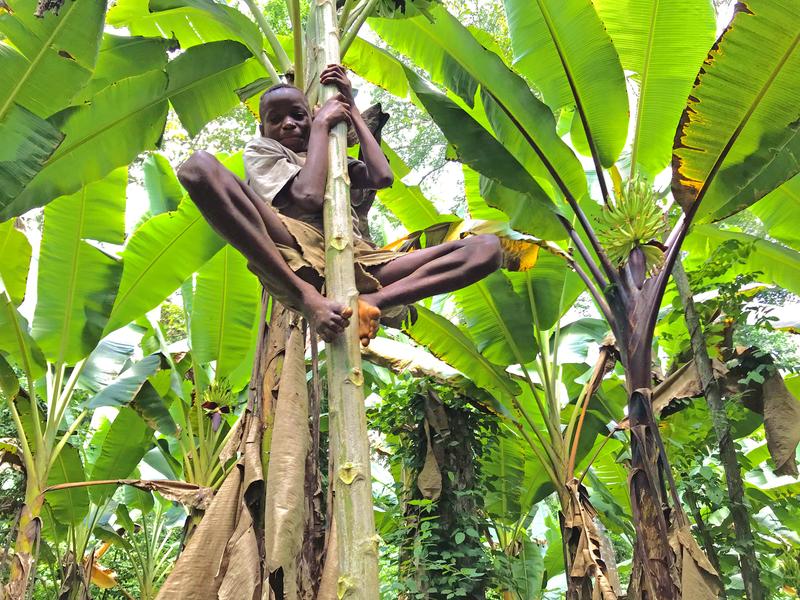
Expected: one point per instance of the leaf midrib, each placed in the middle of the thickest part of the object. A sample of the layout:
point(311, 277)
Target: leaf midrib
point(568, 73)
point(644, 75)
point(150, 265)
point(72, 284)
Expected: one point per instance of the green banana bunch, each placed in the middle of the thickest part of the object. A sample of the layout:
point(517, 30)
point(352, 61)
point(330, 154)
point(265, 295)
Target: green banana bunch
point(633, 220)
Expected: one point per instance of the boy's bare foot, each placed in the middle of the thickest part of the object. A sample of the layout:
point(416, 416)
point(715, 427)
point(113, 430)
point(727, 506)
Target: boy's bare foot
point(369, 317)
point(328, 317)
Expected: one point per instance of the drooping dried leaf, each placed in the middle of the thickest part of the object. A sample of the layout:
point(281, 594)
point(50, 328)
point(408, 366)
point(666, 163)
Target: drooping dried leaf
point(221, 560)
point(680, 384)
point(285, 500)
point(587, 560)
point(699, 580)
point(772, 398)
point(330, 573)
point(782, 424)
point(683, 383)
point(429, 480)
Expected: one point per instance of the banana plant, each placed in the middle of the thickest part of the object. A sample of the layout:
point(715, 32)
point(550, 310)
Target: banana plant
point(575, 55)
point(61, 356)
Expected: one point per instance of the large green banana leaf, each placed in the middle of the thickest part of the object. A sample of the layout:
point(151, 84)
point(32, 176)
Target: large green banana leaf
point(28, 141)
point(164, 191)
point(549, 290)
point(43, 63)
point(504, 469)
point(407, 202)
point(664, 44)
point(224, 311)
point(124, 443)
point(776, 263)
point(447, 50)
point(527, 569)
point(123, 120)
point(476, 204)
point(203, 80)
point(779, 211)
point(162, 254)
point(530, 208)
point(15, 260)
point(499, 320)
point(739, 136)
point(190, 22)
point(71, 505)
point(563, 49)
point(124, 56)
point(15, 338)
point(377, 66)
point(49, 58)
point(456, 348)
point(124, 388)
point(77, 281)
point(428, 53)
point(104, 365)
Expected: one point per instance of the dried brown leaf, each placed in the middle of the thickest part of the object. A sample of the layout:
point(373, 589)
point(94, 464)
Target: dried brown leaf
point(699, 579)
point(429, 480)
point(221, 560)
point(782, 424)
point(587, 560)
point(285, 499)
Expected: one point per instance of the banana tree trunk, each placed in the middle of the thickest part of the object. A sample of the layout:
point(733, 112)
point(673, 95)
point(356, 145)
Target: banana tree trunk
point(649, 470)
point(357, 542)
point(28, 533)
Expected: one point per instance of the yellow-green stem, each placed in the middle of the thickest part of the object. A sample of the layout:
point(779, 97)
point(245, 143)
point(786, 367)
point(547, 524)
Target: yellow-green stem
point(280, 54)
point(297, 40)
point(356, 26)
point(356, 538)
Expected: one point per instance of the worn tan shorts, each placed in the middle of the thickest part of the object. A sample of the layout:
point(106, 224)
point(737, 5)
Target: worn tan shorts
point(311, 253)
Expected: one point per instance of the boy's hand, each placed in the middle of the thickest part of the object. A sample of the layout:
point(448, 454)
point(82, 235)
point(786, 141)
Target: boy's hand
point(335, 110)
point(336, 75)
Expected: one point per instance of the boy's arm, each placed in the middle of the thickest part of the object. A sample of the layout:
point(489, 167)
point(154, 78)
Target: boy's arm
point(375, 172)
point(306, 191)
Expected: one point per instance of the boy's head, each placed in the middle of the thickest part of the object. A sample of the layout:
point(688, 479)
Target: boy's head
point(285, 116)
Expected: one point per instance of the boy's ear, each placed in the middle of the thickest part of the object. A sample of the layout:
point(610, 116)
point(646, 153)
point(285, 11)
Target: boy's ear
point(261, 128)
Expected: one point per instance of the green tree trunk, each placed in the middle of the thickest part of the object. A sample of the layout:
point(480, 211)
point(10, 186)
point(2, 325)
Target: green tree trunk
point(357, 542)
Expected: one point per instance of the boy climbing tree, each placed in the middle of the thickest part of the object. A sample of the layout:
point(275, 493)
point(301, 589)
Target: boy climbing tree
point(275, 219)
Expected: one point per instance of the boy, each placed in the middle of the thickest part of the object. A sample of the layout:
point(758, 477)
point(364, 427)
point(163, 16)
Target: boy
point(276, 220)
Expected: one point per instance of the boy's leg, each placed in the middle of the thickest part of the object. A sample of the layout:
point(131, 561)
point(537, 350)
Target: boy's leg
point(423, 273)
point(253, 228)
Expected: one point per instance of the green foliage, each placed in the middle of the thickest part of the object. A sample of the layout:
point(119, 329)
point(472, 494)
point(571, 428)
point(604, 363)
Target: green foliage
point(438, 543)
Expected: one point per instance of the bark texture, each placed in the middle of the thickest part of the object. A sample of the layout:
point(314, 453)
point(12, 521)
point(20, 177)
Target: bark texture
point(727, 451)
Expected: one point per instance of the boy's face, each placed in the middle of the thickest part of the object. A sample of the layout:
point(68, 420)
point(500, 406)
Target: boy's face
point(287, 119)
